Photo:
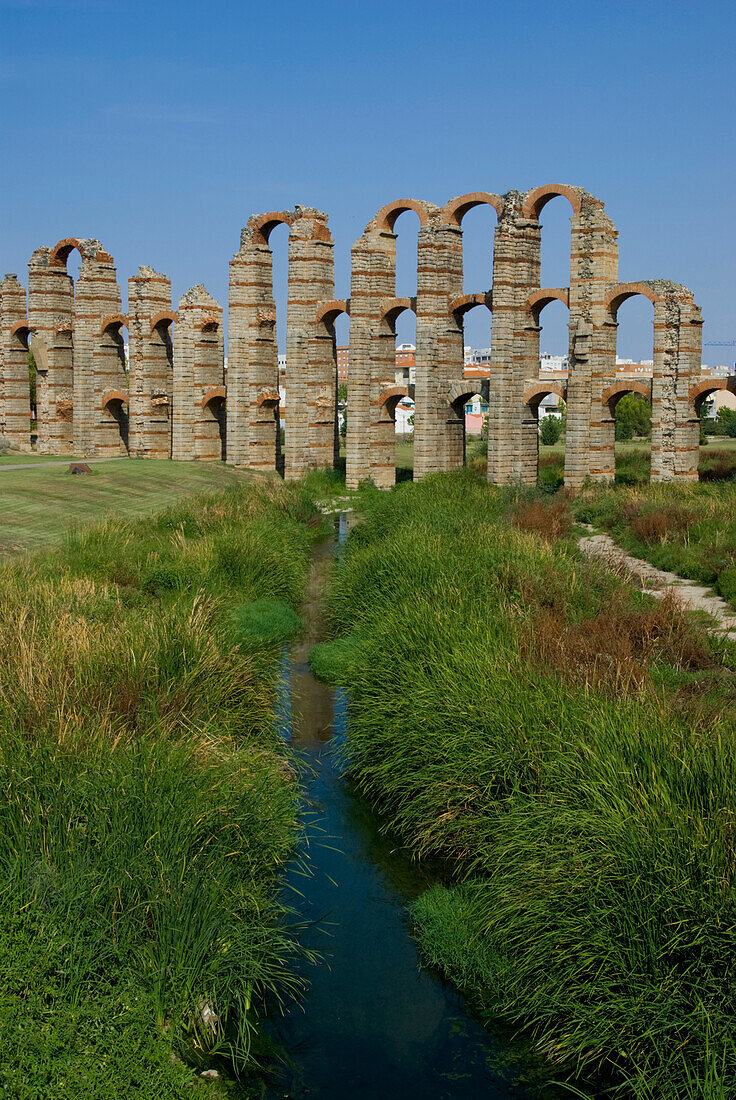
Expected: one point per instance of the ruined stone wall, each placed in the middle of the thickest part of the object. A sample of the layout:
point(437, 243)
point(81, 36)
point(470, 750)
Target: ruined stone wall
point(173, 399)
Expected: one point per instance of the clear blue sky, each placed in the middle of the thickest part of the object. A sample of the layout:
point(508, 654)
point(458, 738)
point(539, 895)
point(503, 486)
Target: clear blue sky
point(159, 127)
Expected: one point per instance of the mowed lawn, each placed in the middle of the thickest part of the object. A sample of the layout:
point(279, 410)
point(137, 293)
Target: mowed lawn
point(37, 506)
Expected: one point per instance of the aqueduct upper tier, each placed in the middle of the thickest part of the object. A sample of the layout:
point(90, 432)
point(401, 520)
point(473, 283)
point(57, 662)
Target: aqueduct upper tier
point(172, 397)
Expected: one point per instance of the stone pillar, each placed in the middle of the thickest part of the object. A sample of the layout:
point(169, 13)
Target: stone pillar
point(15, 402)
point(676, 350)
point(198, 403)
point(150, 363)
point(311, 382)
point(372, 337)
point(96, 296)
point(593, 267)
point(518, 277)
point(438, 432)
point(50, 316)
point(253, 371)
point(687, 434)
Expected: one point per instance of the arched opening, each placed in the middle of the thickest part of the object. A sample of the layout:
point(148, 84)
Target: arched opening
point(211, 441)
point(628, 404)
point(111, 385)
point(116, 413)
point(470, 403)
point(406, 227)
point(161, 355)
point(478, 225)
point(400, 328)
point(543, 458)
point(341, 330)
point(547, 429)
point(554, 215)
point(20, 389)
point(397, 409)
point(634, 317)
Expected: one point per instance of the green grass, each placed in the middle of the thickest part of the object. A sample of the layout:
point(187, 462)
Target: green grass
point(147, 805)
point(564, 746)
point(37, 506)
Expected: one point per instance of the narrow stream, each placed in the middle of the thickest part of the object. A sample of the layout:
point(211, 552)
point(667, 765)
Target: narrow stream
point(373, 1023)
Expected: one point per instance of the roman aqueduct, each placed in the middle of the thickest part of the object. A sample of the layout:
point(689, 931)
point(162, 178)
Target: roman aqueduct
point(172, 399)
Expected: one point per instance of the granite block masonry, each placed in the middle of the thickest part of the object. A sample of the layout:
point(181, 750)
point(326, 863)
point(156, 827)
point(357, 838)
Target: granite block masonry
point(170, 396)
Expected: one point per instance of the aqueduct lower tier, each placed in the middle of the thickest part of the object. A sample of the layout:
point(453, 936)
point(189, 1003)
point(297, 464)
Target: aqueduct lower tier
point(173, 398)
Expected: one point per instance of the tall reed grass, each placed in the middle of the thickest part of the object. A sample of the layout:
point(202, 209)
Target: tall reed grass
point(567, 749)
point(146, 803)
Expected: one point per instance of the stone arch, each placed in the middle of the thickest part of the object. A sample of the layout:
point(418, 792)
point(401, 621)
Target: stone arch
point(215, 393)
point(538, 299)
point(114, 395)
point(22, 330)
point(455, 209)
point(706, 387)
point(613, 393)
point(116, 320)
point(465, 302)
point(86, 247)
point(536, 199)
point(329, 311)
point(536, 393)
point(391, 308)
point(264, 225)
point(386, 218)
point(164, 319)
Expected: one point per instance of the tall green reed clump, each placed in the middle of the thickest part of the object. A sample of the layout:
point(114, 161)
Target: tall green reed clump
point(567, 748)
point(146, 804)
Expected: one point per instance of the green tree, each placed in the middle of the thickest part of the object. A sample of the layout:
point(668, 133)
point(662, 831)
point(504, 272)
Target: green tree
point(633, 417)
point(550, 429)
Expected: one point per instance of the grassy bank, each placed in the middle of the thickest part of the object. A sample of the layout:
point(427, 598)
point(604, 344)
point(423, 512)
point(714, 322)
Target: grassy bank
point(564, 746)
point(690, 530)
point(37, 506)
point(147, 806)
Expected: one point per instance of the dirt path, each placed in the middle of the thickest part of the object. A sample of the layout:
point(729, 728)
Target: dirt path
point(658, 582)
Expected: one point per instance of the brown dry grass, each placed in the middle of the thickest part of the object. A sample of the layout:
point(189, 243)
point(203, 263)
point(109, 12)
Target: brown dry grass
point(661, 524)
point(551, 521)
point(614, 649)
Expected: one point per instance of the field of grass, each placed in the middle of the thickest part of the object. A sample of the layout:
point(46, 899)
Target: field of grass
point(37, 506)
point(564, 745)
point(147, 804)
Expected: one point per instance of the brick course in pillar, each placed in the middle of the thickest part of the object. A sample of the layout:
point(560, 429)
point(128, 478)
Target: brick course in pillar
point(172, 399)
